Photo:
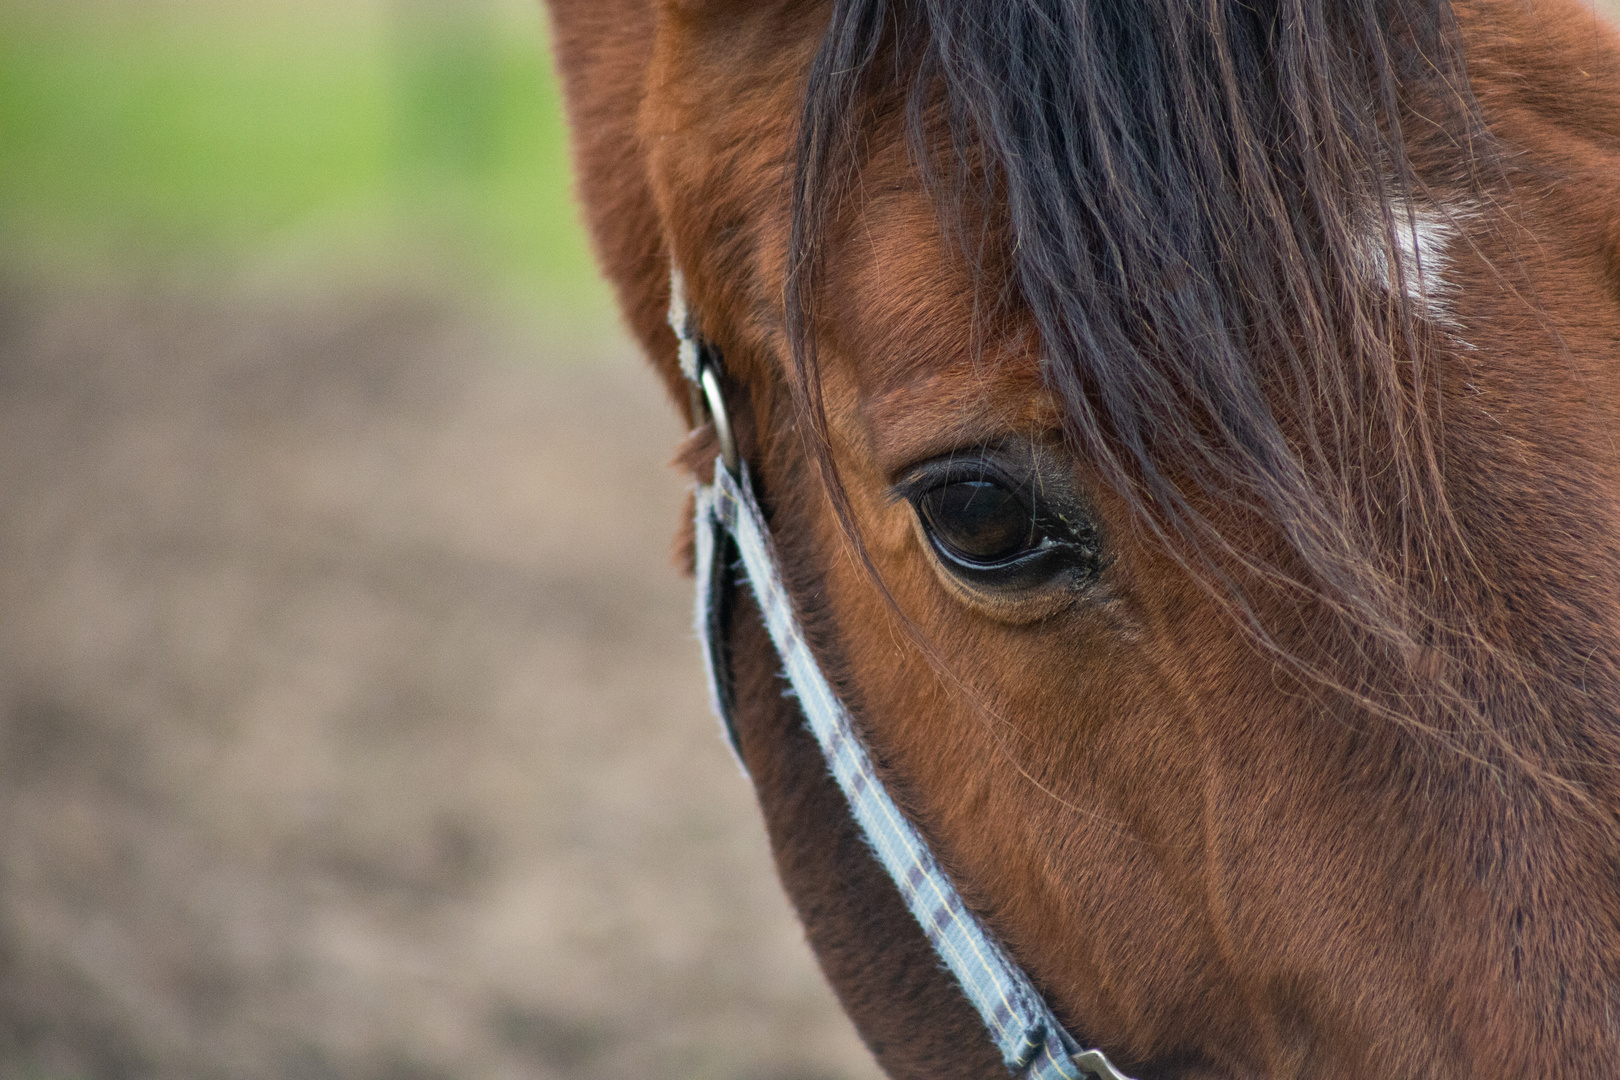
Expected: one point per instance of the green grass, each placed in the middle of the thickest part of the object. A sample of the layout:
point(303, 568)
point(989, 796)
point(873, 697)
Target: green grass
point(176, 140)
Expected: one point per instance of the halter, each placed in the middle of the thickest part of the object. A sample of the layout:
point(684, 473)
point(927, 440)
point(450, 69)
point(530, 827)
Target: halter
point(1032, 1042)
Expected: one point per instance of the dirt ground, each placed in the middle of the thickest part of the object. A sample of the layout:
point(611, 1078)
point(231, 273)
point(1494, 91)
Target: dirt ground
point(350, 721)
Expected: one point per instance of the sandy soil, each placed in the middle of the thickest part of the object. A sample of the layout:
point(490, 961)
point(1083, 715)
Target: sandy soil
point(350, 723)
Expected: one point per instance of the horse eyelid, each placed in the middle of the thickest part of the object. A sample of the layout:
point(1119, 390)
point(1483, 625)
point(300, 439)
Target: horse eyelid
point(956, 466)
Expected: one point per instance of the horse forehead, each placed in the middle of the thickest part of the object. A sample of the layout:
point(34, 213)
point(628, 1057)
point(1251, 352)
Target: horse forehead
point(931, 370)
point(933, 412)
point(932, 355)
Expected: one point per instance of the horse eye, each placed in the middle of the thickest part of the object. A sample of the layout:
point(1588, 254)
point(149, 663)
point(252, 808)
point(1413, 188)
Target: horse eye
point(1000, 534)
point(978, 523)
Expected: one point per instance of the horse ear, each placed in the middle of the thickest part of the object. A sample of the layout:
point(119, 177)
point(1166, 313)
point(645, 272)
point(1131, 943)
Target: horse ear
point(603, 50)
point(605, 53)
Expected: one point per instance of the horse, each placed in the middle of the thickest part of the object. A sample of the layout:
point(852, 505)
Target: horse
point(1188, 434)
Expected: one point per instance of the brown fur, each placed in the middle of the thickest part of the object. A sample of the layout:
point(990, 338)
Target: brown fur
point(1211, 866)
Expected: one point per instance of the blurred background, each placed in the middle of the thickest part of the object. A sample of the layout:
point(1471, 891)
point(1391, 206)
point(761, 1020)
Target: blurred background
point(350, 722)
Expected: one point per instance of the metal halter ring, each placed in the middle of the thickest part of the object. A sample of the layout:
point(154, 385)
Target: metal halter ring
point(709, 380)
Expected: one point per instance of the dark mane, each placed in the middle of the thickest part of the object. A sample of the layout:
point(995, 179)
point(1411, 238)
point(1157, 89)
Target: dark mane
point(1196, 201)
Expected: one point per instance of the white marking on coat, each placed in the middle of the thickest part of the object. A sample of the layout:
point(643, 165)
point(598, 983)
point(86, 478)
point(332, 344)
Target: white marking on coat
point(1423, 235)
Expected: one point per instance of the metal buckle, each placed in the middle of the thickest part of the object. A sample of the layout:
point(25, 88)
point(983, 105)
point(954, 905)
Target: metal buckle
point(709, 380)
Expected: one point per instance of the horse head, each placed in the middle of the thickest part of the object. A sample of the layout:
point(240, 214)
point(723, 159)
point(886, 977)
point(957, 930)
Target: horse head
point(1189, 435)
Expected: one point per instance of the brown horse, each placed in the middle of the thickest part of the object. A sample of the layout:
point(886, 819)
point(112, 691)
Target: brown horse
point(1191, 431)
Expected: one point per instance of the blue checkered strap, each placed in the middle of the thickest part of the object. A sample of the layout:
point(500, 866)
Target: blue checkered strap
point(1032, 1041)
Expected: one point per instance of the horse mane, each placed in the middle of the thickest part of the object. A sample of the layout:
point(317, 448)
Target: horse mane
point(1209, 211)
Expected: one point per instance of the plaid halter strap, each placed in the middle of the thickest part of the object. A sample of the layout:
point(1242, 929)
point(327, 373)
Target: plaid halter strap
point(730, 527)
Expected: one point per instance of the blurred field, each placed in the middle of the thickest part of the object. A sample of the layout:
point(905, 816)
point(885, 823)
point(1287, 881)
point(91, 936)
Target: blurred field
point(350, 721)
point(350, 138)
point(350, 725)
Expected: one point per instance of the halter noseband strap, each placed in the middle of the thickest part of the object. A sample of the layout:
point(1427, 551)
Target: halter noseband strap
point(1031, 1040)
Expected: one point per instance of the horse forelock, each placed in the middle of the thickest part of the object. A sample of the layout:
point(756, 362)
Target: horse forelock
point(1231, 226)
